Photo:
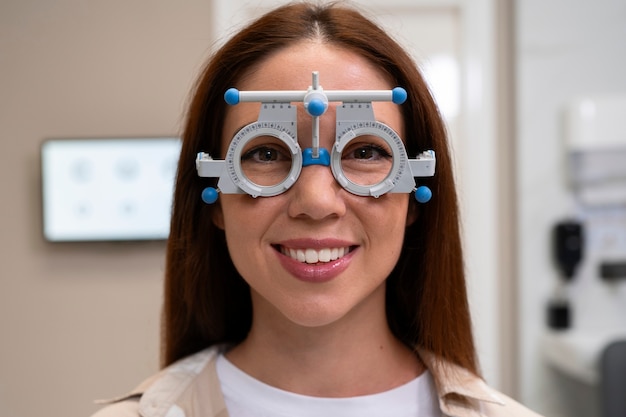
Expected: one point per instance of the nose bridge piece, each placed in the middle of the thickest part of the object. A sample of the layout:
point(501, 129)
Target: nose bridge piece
point(309, 158)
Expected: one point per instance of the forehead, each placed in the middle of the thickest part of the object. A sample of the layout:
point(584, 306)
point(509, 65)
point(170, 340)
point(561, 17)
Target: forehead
point(291, 68)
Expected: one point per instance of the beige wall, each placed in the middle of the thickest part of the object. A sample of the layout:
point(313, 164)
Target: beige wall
point(81, 321)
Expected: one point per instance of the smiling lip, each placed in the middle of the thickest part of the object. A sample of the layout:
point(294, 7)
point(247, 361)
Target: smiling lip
point(313, 256)
point(315, 260)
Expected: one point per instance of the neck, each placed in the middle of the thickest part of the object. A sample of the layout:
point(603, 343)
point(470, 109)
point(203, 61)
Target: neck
point(353, 356)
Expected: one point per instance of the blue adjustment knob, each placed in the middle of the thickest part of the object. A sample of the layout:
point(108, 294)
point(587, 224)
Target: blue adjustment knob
point(209, 195)
point(231, 96)
point(316, 107)
point(423, 194)
point(398, 95)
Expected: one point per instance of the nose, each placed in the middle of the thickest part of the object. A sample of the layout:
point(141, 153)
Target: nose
point(316, 195)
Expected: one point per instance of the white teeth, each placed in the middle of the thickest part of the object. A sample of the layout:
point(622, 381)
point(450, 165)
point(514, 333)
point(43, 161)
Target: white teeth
point(312, 256)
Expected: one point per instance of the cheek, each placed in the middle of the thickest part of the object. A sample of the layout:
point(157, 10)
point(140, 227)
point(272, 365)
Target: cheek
point(385, 220)
point(247, 219)
point(395, 224)
point(393, 211)
point(237, 213)
point(241, 230)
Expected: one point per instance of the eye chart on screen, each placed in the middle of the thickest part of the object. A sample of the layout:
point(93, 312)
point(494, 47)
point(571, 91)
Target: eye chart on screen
point(108, 189)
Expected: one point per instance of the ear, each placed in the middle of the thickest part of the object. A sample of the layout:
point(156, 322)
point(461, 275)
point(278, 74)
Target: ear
point(412, 213)
point(217, 216)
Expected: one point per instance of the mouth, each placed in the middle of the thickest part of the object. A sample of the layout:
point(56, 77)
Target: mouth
point(315, 256)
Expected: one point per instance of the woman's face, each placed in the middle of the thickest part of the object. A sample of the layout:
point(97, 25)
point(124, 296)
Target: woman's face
point(315, 253)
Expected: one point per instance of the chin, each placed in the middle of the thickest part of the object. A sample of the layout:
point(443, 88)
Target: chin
point(315, 316)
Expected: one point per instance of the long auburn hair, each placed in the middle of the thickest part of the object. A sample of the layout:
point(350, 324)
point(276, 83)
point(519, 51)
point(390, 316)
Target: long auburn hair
point(207, 302)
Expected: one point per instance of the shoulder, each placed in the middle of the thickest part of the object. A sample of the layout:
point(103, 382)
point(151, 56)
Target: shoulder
point(172, 391)
point(463, 394)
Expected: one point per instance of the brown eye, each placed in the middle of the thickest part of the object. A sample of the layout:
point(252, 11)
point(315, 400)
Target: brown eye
point(367, 161)
point(370, 152)
point(262, 154)
point(267, 162)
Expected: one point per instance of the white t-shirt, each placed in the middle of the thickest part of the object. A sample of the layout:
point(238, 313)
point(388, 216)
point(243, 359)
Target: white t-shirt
point(246, 396)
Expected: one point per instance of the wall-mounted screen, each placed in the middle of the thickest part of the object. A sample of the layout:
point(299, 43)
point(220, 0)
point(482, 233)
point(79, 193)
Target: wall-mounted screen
point(108, 189)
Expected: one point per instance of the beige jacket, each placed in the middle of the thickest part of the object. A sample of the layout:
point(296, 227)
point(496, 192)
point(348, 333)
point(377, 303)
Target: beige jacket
point(190, 388)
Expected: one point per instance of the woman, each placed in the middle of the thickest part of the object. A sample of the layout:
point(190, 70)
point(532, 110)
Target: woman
point(314, 301)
